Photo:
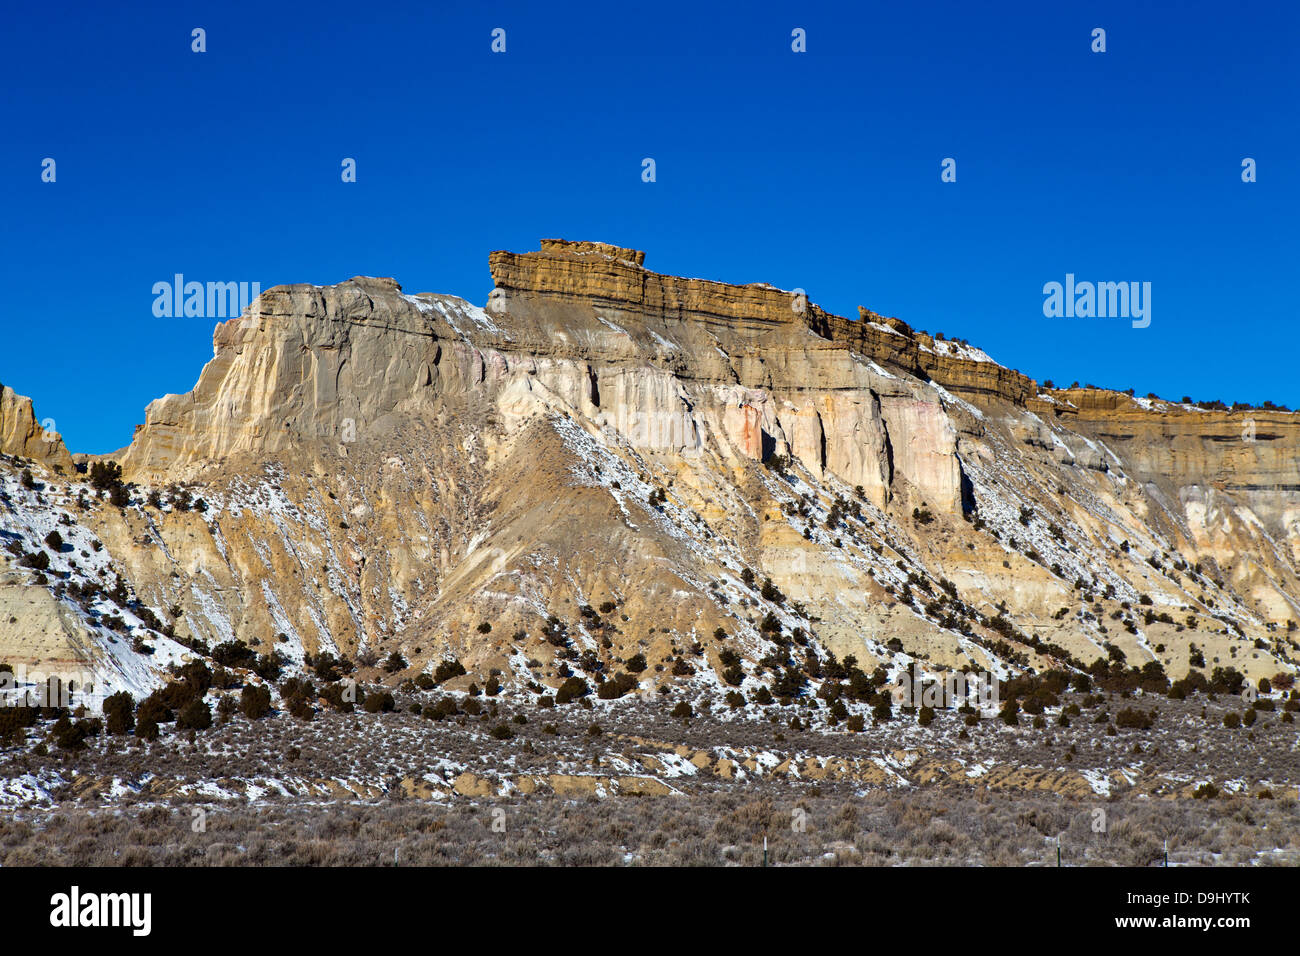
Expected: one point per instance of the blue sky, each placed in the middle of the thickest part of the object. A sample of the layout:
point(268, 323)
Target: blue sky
point(818, 170)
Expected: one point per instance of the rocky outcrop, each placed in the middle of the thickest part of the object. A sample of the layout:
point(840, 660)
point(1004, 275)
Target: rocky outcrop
point(959, 368)
point(673, 365)
point(22, 435)
point(1249, 453)
point(611, 277)
point(390, 471)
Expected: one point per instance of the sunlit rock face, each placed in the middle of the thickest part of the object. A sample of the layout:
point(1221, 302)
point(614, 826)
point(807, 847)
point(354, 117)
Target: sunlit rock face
point(385, 471)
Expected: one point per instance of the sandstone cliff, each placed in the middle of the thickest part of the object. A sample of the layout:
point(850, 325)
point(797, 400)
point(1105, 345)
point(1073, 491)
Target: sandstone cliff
point(22, 435)
point(382, 471)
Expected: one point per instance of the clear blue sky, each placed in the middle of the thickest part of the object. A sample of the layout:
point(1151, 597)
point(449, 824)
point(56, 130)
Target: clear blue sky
point(817, 170)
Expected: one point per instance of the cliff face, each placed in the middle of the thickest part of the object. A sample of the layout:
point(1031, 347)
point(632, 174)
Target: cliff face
point(671, 364)
point(611, 277)
point(386, 471)
point(1230, 481)
point(22, 435)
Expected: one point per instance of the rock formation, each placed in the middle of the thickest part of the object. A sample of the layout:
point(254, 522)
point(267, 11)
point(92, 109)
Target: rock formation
point(22, 435)
point(382, 471)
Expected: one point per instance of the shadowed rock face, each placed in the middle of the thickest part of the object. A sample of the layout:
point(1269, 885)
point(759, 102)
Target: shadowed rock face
point(389, 471)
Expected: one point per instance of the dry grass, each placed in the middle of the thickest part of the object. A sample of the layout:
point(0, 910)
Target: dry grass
point(331, 793)
point(927, 827)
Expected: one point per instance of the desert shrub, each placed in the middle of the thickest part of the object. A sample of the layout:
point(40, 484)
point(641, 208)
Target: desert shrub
point(155, 709)
point(301, 708)
point(329, 668)
point(54, 541)
point(448, 669)
point(14, 722)
point(440, 709)
point(119, 713)
point(636, 663)
point(196, 677)
point(1226, 680)
point(67, 735)
point(1009, 713)
point(255, 701)
point(683, 710)
point(789, 683)
point(223, 679)
point(38, 561)
point(297, 687)
point(1131, 717)
point(471, 706)
point(194, 716)
point(337, 697)
point(856, 724)
point(227, 707)
point(772, 593)
point(269, 666)
point(616, 687)
point(734, 676)
point(925, 716)
point(394, 663)
point(381, 702)
point(571, 689)
point(1232, 720)
point(105, 474)
point(502, 732)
